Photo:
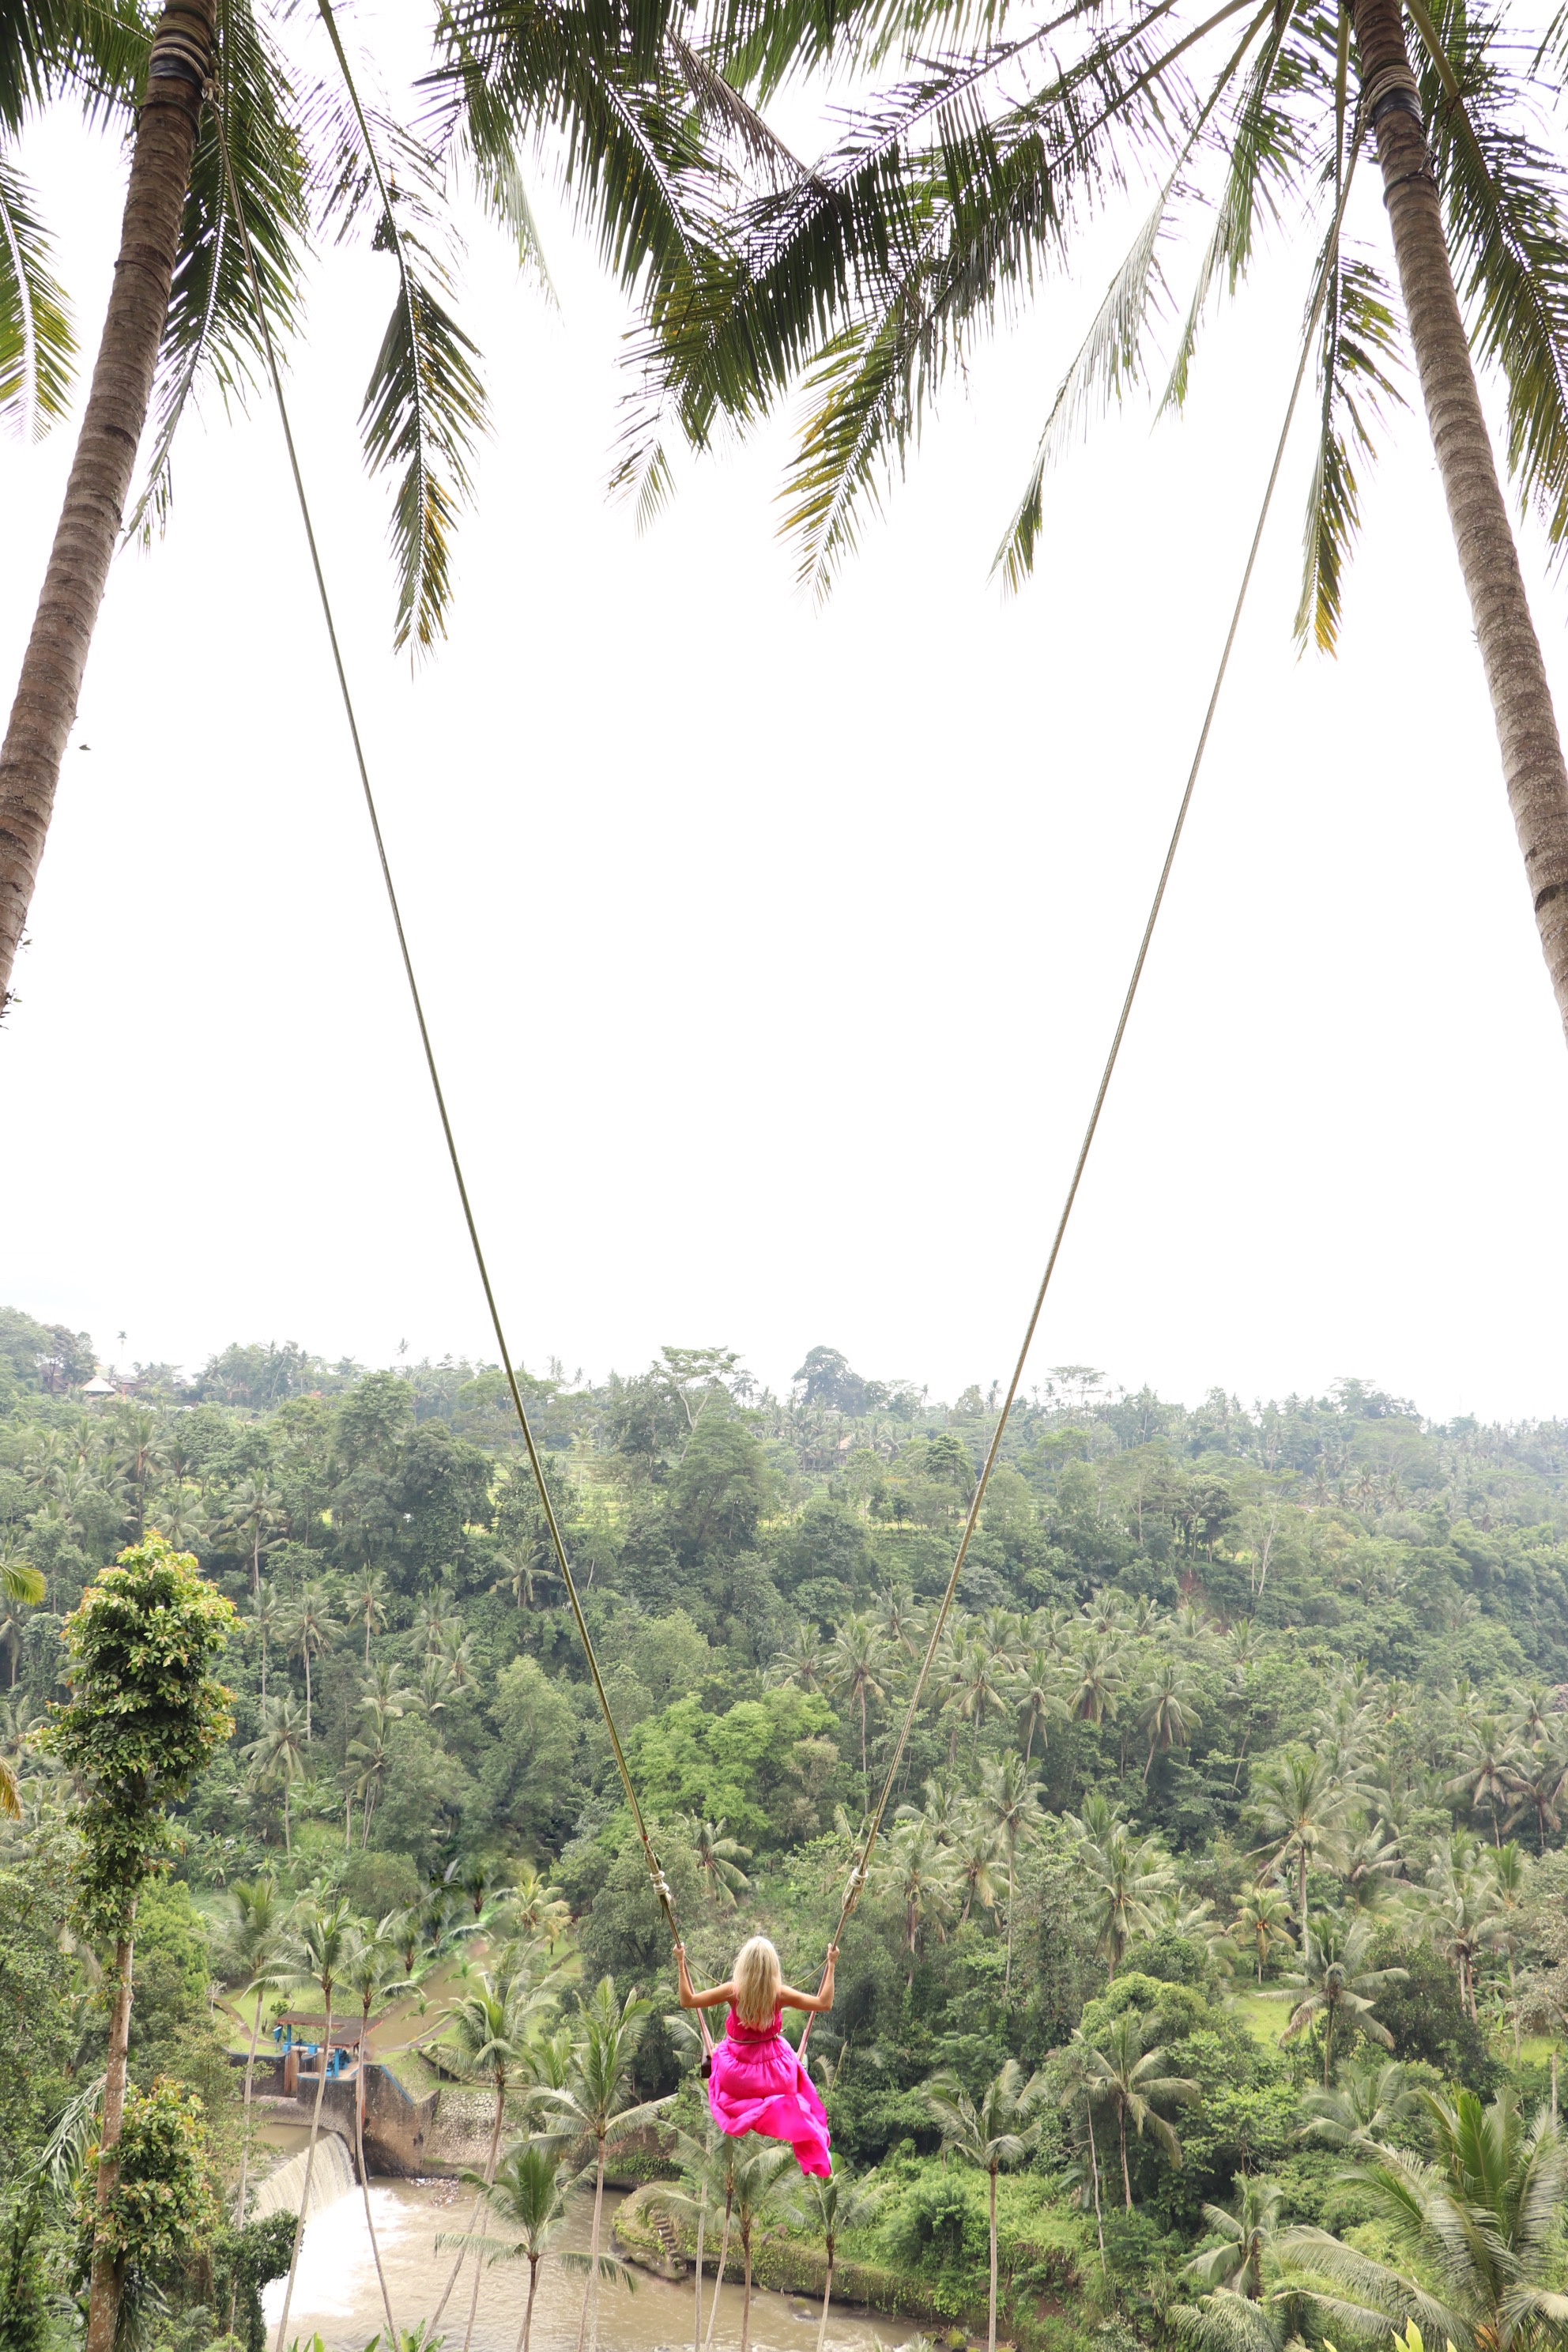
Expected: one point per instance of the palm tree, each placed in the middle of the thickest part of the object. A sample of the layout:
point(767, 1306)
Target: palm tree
point(368, 1596)
point(1126, 2076)
point(254, 1507)
point(1077, 2085)
point(1475, 2232)
point(309, 1627)
point(1262, 1923)
point(265, 1619)
point(1010, 1795)
point(828, 2208)
point(1488, 1763)
point(276, 1756)
point(802, 1660)
point(1246, 2239)
point(975, 1849)
point(257, 1940)
point(1166, 1711)
point(1358, 2112)
point(976, 1681)
point(856, 1663)
point(322, 1950)
point(598, 2103)
point(622, 107)
point(758, 2180)
point(995, 2135)
point(1127, 1876)
point(1300, 1809)
point(964, 183)
point(488, 2031)
point(528, 2196)
point(921, 1872)
point(1336, 1986)
point(371, 1971)
point(1039, 1701)
point(1537, 1782)
point(719, 1859)
point(1096, 1681)
point(521, 1573)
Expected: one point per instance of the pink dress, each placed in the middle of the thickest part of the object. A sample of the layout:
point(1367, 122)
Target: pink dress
point(758, 2083)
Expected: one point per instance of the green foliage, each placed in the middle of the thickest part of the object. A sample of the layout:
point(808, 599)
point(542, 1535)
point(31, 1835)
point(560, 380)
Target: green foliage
point(162, 2211)
point(244, 2262)
point(145, 1714)
point(24, 2307)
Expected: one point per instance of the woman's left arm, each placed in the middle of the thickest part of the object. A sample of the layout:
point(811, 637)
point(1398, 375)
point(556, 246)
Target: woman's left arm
point(815, 2002)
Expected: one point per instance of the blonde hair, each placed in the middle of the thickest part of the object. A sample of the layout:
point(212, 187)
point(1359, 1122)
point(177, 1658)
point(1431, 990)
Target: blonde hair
point(758, 1981)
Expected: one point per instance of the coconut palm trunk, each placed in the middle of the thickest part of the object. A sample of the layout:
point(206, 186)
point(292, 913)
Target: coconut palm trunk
point(392, 2338)
point(826, 2292)
point(991, 2306)
point(1533, 769)
point(49, 685)
point(702, 2226)
point(588, 2326)
point(326, 2052)
point(103, 2289)
point(245, 2142)
point(723, 2258)
point(473, 2216)
point(527, 2330)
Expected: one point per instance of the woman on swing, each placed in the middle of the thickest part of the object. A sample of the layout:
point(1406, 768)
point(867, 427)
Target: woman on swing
point(757, 2082)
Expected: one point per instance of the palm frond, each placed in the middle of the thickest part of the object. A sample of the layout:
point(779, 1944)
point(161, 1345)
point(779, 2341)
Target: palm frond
point(36, 345)
point(211, 336)
point(424, 406)
point(1504, 196)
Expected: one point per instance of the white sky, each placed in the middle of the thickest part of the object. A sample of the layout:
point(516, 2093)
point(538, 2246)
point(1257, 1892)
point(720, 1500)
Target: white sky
point(772, 951)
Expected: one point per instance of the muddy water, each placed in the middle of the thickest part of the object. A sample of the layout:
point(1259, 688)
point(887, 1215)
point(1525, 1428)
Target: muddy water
point(337, 2297)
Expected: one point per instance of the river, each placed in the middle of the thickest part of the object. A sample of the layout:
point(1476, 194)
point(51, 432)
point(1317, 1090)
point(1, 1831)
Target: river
point(336, 2295)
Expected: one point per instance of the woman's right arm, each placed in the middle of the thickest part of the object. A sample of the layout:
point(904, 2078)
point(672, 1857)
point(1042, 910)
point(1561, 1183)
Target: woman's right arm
point(689, 1997)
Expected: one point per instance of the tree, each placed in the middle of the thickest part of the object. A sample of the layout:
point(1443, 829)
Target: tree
point(1166, 1711)
point(921, 1872)
point(1120, 2071)
point(1039, 1700)
point(369, 1604)
point(323, 1950)
point(371, 1971)
point(1010, 1795)
point(876, 281)
point(598, 2103)
point(1127, 1876)
point(718, 1858)
point(310, 1628)
point(997, 2133)
point(1489, 1763)
point(19, 1583)
point(759, 2177)
point(1338, 1987)
point(145, 1716)
point(490, 2029)
point(1476, 2229)
point(528, 2196)
point(856, 1663)
point(1360, 2112)
point(1262, 1923)
point(637, 163)
point(1246, 2239)
point(828, 2208)
point(276, 1755)
point(255, 1508)
point(257, 1939)
point(1301, 1810)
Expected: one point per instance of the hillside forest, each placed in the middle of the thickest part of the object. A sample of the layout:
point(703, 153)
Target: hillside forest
point(1211, 1975)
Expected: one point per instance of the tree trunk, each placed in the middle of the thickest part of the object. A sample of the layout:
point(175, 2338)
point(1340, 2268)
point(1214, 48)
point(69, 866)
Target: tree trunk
point(473, 2216)
point(701, 2226)
point(827, 2299)
point(326, 2052)
point(1126, 2176)
point(723, 2258)
point(591, 2292)
point(1007, 1974)
point(533, 2261)
point(1094, 2176)
point(50, 684)
point(392, 2338)
point(991, 2306)
point(1532, 750)
point(103, 2289)
point(746, 2283)
point(244, 2143)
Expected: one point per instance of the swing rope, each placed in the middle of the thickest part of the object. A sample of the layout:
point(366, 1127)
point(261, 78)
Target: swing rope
point(860, 1872)
point(859, 1876)
point(657, 1879)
